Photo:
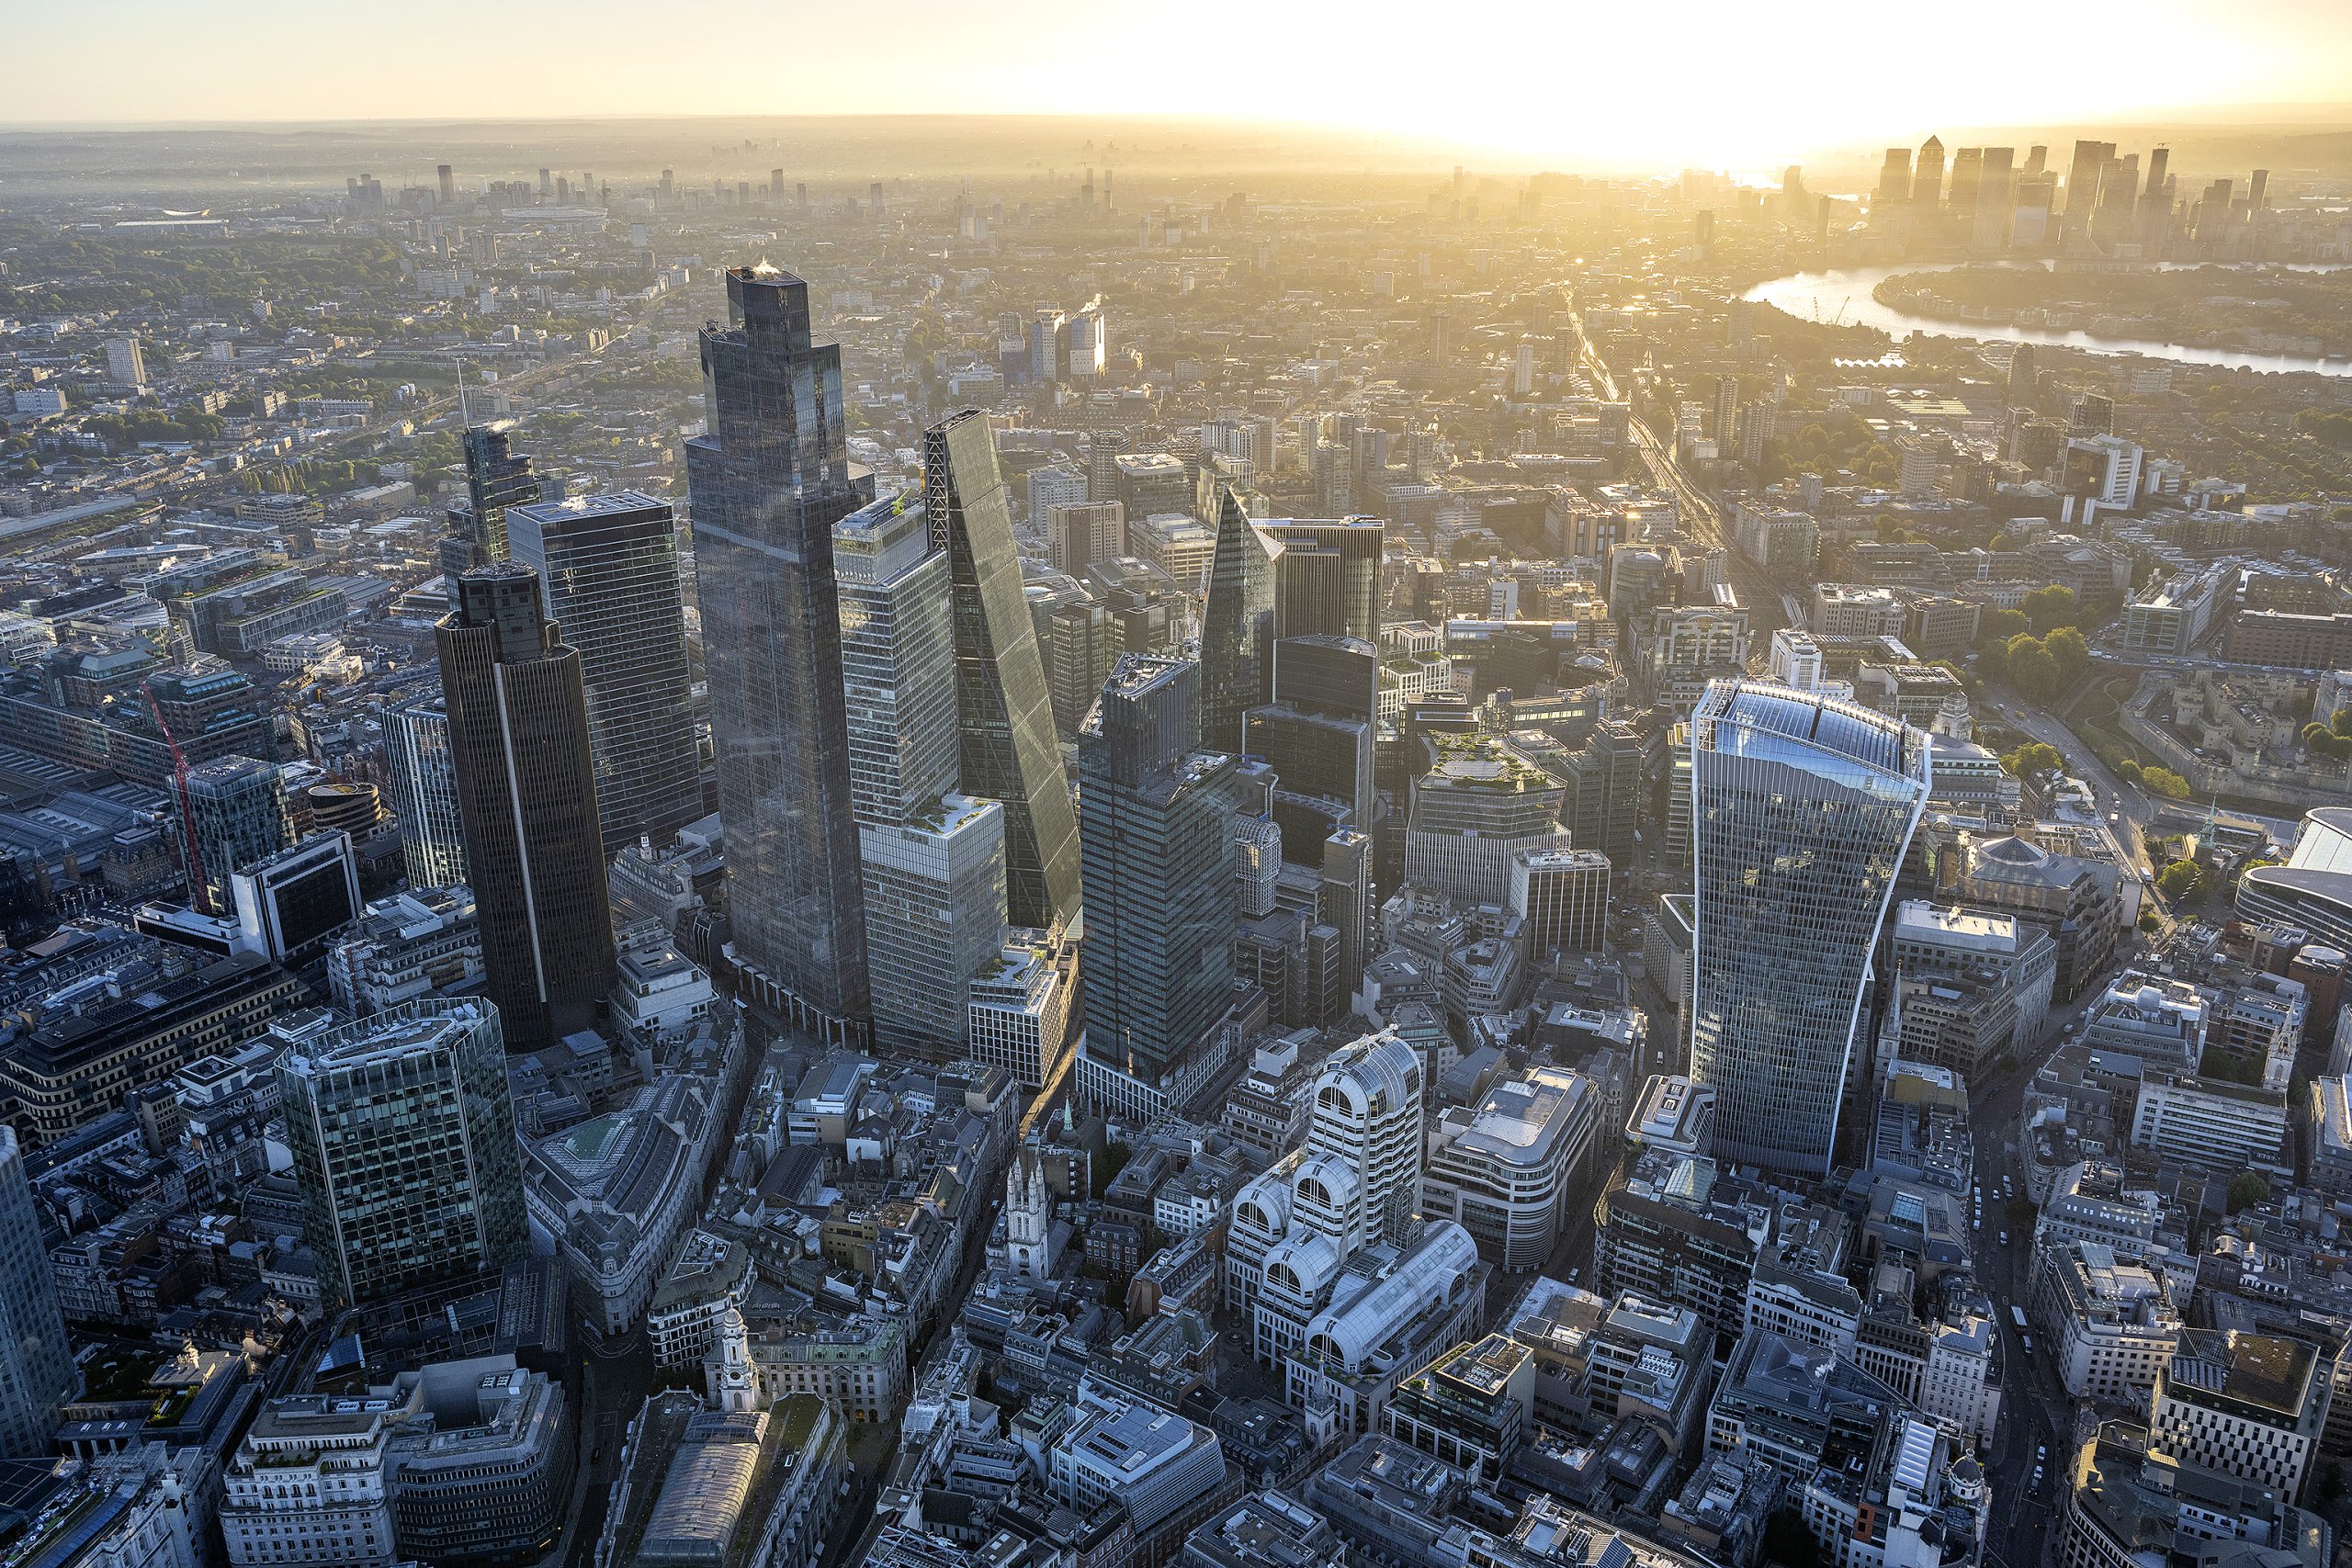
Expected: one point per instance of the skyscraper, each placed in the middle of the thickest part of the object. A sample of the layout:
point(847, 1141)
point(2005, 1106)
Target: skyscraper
point(497, 477)
point(237, 812)
point(932, 859)
point(1927, 178)
point(36, 1360)
point(609, 577)
point(404, 1150)
point(527, 793)
point(769, 480)
point(1237, 625)
point(1155, 822)
point(1318, 734)
point(1005, 713)
point(1803, 806)
point(425, 790)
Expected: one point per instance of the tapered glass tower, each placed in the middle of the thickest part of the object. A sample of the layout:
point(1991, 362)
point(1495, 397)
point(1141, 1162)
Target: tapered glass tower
point(1004, 710)
point(1237, 625)
point(1803, 807)
point(768, 480)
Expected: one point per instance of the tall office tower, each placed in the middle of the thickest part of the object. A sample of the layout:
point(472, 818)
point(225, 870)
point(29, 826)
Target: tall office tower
point(404, 1150)
point(238, 813)
point(1318, 735)
point(1079, 642)
point(1005, 714)
point(1442, 339)
point(2022, 377)
point(424, 791)
point(1155, 824)
point(1607, 791)
point(1803, 807)
point(769, 480)
point(1237, 625)
point(1481, 802)
point(1727, 410)
point(1367, 1115)
point(1928, 175)
point(2037, 158)
point(526, 792)
point(1349, 901)
point(2091, 159)
point(1967, 173)
point(609, 577)
point(1048, 347)
point(1327, 577)
point(1894, 179)
point(931, 860)
point(449, 184)
point(2257, 190)
point(497, 477)
point(126, 364)
point(1088, 340)
point(36, 1360)
point(1996, 199)
point(1102, 450)
point(1077, 536)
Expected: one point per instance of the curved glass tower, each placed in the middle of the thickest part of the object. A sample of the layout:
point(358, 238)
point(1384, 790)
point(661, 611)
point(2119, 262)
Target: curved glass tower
point(1801, 809)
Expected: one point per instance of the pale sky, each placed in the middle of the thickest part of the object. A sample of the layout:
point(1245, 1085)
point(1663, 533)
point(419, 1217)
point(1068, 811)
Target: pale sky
point(1714, 80)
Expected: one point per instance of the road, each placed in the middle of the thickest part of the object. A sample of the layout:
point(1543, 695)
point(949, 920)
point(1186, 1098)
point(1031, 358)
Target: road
point(1767, 604)
point(2132, 804)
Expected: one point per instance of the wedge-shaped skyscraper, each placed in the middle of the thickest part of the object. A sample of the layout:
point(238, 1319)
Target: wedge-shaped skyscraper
point(1004, 710)
point(1801, 809)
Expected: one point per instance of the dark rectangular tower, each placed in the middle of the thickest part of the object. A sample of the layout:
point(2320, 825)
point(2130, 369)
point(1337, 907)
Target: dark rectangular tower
point(527, 793)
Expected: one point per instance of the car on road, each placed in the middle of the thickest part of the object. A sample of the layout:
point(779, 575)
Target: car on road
point(2004, 1238)
point(2040, 1452)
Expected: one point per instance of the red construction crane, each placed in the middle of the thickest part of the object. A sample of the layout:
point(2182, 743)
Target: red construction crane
point(200, 891)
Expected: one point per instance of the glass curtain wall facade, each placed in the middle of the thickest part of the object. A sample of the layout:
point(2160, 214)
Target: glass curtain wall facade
point(424, 791)
point(932, 860)
point(1005, 710)
point(1155, 824)
point(1803, 807)
point(769, 480)
point(404, 1146)
point(1237, 625)
point(608, 575)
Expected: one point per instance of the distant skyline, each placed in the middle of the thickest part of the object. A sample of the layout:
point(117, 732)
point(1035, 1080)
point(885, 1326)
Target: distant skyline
point(1717, 81)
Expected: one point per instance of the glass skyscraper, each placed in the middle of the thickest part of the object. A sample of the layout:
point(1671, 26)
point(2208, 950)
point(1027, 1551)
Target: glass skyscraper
point(36, 1359)
point(769, 480)
point(497, 477)
point(425, 790)
point(608, 575)
point(932, 859)
point(1155, 818)
point(1237, 625)
point(1802, 809)
point(1005, 710)
point(404, 1148)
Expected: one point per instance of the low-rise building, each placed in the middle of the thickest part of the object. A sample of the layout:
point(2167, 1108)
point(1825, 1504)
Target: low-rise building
point(2109, 1327)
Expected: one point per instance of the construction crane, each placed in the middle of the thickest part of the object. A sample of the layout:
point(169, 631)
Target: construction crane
point(200, 890)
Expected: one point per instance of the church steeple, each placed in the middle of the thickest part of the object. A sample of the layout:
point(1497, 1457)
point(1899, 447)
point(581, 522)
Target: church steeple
point(739, 1381)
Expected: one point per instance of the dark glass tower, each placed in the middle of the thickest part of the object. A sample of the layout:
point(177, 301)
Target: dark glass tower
point(527, 793)
point(497, 477)
point(1156, 818)
point(1326, 580)
point(1004, 709)
point(608, 575)
point(1237, 625)
point(769, 480)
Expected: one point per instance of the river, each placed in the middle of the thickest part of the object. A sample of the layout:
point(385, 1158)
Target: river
point(1820, 295)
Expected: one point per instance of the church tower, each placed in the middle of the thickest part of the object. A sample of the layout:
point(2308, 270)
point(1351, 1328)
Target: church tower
point(1028, 1218)
point(739, 1381)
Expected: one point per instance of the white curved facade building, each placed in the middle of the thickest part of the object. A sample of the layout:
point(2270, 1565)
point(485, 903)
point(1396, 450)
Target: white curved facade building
point(1802, 809)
